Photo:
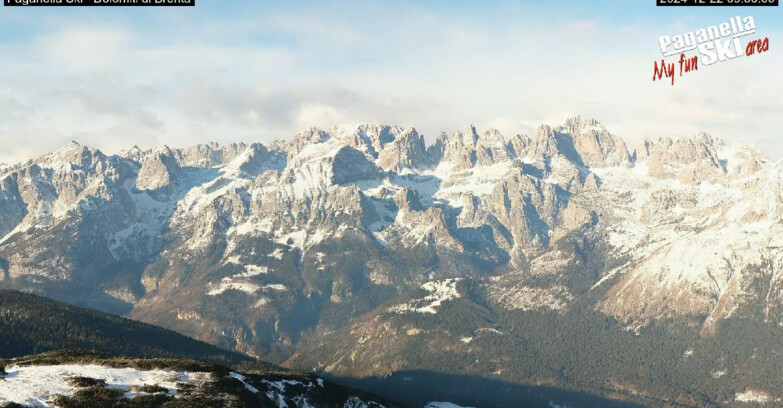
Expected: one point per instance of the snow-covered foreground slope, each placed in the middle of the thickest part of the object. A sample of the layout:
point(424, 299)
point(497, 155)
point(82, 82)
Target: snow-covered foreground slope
point(36, 386)
point(91, 380)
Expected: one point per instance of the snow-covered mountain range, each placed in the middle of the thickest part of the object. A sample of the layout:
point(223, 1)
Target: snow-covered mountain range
point(264, 248)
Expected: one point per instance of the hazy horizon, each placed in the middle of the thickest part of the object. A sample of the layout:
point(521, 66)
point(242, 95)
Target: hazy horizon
point(631, 143)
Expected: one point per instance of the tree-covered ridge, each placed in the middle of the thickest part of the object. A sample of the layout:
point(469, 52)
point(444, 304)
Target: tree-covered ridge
point(30, 324)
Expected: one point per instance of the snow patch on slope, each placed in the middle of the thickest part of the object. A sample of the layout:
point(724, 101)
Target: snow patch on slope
point(757, 396)
point(440, 291)
point(228, 284)
point(478, 181)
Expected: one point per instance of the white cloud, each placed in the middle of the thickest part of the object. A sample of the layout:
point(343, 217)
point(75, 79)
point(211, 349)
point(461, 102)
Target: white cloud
point(318, 115)
point(84, 49)
point(183, 80)
point(579, 26)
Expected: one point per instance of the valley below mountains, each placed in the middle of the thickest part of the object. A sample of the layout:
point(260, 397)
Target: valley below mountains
point(558, 268)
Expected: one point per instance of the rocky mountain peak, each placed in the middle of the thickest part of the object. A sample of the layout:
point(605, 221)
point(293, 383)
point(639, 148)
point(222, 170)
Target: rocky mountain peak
point(158, 169)
point(133, 153)
point(543, 143)
point(492, 147)
point(595, 146)
point(578, 125)
point(689, 158)
point(370, 139)
point(742, 160)
point(436, 150)
point(406, 151)
point(73, 154)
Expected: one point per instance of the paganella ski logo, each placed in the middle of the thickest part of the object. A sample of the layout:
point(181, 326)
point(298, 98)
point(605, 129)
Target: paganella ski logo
point(717, 43)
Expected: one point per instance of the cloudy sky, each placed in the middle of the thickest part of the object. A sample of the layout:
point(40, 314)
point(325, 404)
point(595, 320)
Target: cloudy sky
point(231, 70)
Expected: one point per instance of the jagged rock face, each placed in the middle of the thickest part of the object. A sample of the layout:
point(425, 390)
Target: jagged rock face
point(407, 151)
point(157, 170)
point(594, 144)
point(351, 166)
point(460, 150)
point(492, 148)
point(692, 160)
point(12, 205)
point(208, 155)
point(255, 246)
